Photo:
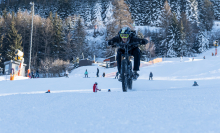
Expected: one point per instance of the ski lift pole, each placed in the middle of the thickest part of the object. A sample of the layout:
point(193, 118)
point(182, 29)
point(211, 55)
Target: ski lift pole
point(32, 3)
point(94, 58)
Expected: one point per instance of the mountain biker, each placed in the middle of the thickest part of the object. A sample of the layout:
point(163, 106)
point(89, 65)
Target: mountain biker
point(125, 36)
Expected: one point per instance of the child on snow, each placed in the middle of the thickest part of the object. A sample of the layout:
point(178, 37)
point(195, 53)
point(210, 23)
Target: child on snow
point(195, 84)
point(86, 74)
point(95, 87)
point(103, 74)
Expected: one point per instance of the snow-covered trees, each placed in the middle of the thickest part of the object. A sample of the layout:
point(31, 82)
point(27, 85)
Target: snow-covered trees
point(97, 12)
point(79, 35)
point(206, 16)
point(192, 11)
point(64, 8)
point(202, 43)
point(173, 37)
point(166, 16)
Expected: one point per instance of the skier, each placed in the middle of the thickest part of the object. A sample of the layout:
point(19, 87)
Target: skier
point(97, 74)
point(86, 74)
point(204, 57)
point(67, 73)
point(32, 74)
point(195, 84)
point(103, 74)
point(109, 90)
point(95, 87)
point(37, 74)
point(29, 75)
point(151, 76)
point(125, 36)
point(181, 59)
point(116, 76)
point(48, 91)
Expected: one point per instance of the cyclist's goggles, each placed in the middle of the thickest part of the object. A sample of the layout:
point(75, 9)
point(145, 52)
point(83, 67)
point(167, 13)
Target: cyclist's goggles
point(124, 35)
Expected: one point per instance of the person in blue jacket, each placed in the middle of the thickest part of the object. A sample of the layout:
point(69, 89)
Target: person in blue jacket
point(86, 74)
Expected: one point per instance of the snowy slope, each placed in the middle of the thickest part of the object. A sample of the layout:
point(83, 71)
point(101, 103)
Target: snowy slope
point(168, 104)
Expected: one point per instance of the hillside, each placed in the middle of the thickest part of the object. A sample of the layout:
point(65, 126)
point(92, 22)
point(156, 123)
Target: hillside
point(167, 104)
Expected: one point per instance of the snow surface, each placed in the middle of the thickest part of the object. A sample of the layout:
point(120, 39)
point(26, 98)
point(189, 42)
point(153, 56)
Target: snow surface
point(168, 104)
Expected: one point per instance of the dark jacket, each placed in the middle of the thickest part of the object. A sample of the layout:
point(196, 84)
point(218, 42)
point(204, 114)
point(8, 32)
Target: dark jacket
point(97, 70)
point(151, 74)
point(132, 39)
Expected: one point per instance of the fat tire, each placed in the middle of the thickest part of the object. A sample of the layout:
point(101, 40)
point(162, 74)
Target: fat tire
point(124, 76)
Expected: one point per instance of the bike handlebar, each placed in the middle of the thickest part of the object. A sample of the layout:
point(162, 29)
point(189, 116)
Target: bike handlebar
point(129, 44)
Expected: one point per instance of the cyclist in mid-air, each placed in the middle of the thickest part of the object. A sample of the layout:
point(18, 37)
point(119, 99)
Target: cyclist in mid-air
point(125, 36)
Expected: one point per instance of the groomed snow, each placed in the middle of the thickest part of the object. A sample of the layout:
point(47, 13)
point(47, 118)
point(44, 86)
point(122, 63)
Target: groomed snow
point(168, 104)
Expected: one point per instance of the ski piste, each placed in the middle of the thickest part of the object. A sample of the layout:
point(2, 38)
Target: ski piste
point(168, 102)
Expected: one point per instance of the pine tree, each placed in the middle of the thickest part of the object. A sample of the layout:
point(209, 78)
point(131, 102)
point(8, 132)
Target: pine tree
point(216, 6)
point(79, 37)
point(202, 43)
point(97, 12)
point(88, 17)
point(175, 6)
point(4, 13)
point(165, 17)
point(190, 32)
point(155, 12)
point(13, 40)
point(192, 11)
point(173, 37)
point(47, 34)
point(108, 14)
point(182, 50)
point(69, 47)
point(138, 12)
point(57, 48)
point(64, 8)
point(2, 51)
point(133, 10)
point(206, 16)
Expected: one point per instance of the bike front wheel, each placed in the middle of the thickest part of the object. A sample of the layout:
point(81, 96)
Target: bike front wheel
point(124, 75)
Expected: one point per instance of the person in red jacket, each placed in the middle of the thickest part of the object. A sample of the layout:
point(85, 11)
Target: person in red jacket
point(95, 87)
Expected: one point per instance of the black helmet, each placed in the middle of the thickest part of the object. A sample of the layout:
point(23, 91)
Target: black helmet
point(125, 31)
point(96, 83)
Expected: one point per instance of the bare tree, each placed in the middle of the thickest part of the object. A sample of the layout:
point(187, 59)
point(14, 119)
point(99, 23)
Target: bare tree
point(122, 15)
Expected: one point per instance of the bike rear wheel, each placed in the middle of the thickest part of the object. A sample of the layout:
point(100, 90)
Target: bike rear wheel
point(124, 75)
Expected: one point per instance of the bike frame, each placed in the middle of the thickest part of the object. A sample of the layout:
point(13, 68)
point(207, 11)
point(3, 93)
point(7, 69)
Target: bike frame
point(126, 65)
